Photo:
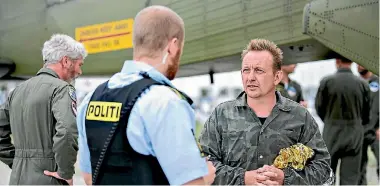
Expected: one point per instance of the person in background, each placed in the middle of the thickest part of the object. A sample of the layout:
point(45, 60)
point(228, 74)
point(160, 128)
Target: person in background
point(342, 102)
point(292, 88)
point(372, 131)
point(40, 113)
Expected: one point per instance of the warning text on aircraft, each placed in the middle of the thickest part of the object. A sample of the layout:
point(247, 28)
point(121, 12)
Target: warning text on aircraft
point(106, 36)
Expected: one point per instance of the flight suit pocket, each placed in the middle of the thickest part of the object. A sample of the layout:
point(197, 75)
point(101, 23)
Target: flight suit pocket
point(234, 146)
point(41, 164)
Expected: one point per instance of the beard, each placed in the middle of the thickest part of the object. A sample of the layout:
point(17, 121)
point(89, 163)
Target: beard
point(173, 67)
point(71, 75)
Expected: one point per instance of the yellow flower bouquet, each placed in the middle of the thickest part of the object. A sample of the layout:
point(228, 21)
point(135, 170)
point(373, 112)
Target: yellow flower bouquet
point(294, 156)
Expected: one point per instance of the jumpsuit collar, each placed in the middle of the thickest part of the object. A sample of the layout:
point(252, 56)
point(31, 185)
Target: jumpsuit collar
point(344, 70)
point(241, 101)
point(47, 71)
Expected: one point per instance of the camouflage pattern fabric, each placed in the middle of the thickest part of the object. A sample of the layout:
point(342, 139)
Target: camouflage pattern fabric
point(237, 142)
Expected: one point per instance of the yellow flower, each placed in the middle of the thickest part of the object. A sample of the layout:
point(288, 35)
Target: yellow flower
point(294, 156)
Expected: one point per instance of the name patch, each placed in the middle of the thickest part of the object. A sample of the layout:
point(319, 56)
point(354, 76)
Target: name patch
point(103, 111)
point(374, 86)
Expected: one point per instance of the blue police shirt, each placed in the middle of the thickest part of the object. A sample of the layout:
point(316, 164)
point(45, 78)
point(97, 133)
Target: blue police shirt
point(160, 124)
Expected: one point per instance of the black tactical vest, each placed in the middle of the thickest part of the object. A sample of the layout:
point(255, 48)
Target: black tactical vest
point(113, 160)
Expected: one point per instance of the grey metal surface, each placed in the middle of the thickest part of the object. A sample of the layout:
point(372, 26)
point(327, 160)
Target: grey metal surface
point(348, 27)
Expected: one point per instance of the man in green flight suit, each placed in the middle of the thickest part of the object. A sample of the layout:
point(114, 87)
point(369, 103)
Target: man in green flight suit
point(292, 88)
point(40, 113)
point(343, 103)
point(370, 138)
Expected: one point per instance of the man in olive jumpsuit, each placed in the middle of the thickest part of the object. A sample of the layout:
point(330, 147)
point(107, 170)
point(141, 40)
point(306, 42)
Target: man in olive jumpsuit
point(370, 131)
point(343, 102)
point(40, 114)
point(282, 89)
point(293, 89)
point(244, 136)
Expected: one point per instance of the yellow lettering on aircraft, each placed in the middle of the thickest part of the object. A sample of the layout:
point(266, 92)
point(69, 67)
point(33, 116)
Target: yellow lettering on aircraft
point(105, 37)
point(103, 111)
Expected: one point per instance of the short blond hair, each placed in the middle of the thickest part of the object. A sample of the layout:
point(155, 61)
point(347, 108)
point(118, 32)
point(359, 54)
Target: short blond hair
point(153, 28)
point(265, 45)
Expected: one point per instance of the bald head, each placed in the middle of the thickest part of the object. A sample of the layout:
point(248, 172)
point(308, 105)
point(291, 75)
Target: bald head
point(153, 28)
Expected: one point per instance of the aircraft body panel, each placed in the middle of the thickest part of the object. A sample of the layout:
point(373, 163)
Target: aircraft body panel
point(216, 31)
point(347, 28)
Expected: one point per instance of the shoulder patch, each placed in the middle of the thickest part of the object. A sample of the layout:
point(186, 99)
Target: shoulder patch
point(74, 108)
point(72, 93)
point(292, 91)
point(374, 86)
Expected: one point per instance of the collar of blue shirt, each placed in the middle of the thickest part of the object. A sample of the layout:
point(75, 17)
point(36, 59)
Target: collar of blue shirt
point(134, 67)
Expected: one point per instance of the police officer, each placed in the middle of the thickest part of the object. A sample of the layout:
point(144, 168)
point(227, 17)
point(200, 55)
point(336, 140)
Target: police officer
point(292, 88)
point(42, 115)
point(137, 128)
point(370, 131)
point(342, 102)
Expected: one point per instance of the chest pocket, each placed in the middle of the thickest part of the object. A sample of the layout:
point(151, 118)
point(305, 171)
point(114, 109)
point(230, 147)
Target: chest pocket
point(292, 135)
point(234, 146)
point(290, 130)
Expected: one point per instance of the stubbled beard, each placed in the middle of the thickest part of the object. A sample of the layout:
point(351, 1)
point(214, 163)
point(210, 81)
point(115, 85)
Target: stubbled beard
point(173, 68)
point(72, 75)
